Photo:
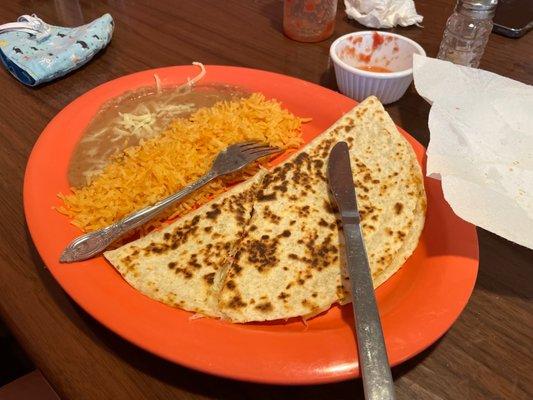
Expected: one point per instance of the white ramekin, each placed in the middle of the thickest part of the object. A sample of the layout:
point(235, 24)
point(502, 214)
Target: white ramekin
point(364, 48)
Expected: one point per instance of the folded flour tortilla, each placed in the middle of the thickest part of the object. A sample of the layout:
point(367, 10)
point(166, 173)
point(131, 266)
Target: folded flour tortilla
point(274, 248)
point(182, 264)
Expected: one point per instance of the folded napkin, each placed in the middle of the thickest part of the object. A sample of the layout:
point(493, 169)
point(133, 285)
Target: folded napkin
point(35, 52)
point(383, 13)
point(481, 145)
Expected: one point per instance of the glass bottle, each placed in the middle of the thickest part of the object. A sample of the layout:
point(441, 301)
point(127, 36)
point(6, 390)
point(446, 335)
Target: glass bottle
point(309, 20)
point(467, 32)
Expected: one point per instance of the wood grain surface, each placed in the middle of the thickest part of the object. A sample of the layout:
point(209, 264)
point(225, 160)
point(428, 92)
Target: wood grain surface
point(487, 354)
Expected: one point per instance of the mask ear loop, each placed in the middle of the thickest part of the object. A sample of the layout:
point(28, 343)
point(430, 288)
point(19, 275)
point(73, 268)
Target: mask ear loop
point(30, 24)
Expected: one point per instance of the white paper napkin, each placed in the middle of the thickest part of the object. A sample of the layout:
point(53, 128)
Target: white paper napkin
point(383, 13)
point(481, 145)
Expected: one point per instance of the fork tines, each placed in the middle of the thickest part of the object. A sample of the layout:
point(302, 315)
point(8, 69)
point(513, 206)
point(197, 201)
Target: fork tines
point(257, 149)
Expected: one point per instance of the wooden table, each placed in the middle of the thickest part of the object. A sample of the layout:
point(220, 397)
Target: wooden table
point(487, 353)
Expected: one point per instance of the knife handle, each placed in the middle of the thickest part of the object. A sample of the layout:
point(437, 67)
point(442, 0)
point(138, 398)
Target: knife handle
point(373, 361)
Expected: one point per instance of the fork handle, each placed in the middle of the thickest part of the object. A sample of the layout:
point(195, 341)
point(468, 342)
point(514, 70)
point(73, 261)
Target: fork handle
point(91, 244)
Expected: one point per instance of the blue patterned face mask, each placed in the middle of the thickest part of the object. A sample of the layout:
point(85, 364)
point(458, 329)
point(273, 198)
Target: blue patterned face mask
point(35, 52)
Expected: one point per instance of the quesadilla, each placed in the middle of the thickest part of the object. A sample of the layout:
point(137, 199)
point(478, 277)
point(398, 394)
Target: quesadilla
point(272, 248)
point(291, 260)
point(182, 264)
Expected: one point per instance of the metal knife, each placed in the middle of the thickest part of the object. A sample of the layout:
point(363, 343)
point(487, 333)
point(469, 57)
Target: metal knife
point(373, 361)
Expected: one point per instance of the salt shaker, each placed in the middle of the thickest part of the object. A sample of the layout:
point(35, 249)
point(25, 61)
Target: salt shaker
point(467, 32)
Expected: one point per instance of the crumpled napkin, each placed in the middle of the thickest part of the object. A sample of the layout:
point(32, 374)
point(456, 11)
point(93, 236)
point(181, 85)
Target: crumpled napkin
point(36, 52)
point(481, 145)
point(383, 13)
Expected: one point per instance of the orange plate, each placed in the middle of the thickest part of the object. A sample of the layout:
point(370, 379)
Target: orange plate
point(417, 305)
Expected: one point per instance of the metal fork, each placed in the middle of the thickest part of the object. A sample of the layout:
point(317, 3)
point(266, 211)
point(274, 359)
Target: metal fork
point(232, 159)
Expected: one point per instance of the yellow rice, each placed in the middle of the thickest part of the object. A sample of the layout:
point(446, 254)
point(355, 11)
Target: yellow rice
point(160, 166)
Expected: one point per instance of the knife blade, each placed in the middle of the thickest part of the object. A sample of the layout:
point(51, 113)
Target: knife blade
point(375, 369)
